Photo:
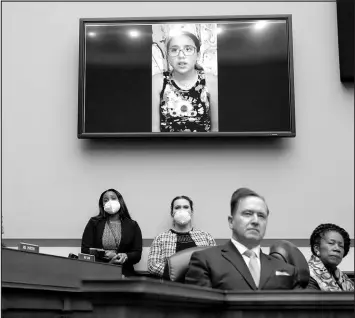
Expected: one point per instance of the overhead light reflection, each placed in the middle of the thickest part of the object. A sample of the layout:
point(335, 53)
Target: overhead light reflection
point(260, 25)
point(91, 34)
point(133, 33)
point(174, 33)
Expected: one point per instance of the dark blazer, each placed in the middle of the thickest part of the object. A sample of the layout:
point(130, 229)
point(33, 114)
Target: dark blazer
point(131, 241)
point(223, 267)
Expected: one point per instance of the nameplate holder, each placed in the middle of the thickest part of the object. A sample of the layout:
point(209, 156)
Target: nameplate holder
point(86, 257)
point(26, 247)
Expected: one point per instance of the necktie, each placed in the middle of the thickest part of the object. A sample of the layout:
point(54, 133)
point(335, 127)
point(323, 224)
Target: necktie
point(254, 267)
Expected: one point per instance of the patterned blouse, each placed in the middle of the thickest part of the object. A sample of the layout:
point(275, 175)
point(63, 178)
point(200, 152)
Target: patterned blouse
point(184, 110)
point(164, 245)
point(108, 239)
point(325, 280)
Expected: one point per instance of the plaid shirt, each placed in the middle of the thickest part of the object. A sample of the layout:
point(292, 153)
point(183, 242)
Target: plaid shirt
point(164, 245)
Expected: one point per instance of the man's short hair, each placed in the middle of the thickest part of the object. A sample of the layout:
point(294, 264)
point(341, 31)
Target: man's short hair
point(242, 193)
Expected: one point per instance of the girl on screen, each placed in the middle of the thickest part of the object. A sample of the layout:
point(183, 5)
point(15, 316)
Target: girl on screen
point(185, 98)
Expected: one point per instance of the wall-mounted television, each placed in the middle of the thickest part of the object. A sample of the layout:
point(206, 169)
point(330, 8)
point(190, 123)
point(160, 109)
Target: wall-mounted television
point(345, 19)
point(225, 76)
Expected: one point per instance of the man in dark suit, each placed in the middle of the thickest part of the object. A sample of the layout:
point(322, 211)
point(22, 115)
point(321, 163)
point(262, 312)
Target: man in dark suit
point(240, 264)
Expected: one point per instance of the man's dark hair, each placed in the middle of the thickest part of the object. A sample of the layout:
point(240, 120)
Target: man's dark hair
point(320, 231)
point(242, 193)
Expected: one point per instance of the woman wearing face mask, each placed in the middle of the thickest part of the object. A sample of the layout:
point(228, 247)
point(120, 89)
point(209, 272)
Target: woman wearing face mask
point(185, 98)
point(114, 231)
point(329, 244)
point(181, 236)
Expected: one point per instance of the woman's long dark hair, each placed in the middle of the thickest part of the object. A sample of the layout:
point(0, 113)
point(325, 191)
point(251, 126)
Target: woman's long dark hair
point(123, 211)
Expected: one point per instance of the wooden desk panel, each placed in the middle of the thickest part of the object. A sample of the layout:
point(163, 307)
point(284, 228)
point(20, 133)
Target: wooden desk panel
point(36, 286)
point(147, 298)
point(42, 270)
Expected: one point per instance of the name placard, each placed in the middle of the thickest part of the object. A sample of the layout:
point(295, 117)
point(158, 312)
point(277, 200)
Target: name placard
point(28, 247)
point(86, 257)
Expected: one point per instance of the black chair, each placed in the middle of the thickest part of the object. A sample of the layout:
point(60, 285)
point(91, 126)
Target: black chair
point(290, 254)
point(179, 262)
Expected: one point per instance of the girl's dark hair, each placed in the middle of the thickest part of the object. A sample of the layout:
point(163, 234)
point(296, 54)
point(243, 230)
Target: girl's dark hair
point(123, 211)
point(181, 197)
point(196, 41)
point(320, 231)
point(192, 36)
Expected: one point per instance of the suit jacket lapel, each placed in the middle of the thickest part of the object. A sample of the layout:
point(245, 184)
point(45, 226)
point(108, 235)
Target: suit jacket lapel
point(266, 270)
point(231, 253)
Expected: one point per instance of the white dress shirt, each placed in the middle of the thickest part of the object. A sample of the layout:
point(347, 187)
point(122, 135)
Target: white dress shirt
point(241, 248)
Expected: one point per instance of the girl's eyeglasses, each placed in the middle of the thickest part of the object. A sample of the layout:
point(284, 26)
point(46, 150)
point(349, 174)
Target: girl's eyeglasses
point(187, 50)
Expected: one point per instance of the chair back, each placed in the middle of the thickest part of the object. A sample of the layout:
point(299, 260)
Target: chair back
point(179, 262)
point(290, 254)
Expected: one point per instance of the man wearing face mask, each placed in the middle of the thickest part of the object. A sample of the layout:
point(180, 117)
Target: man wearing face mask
point(114, 233)
point(181, 236)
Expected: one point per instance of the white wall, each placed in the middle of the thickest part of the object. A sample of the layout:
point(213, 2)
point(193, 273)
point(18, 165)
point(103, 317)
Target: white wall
point(51, 180)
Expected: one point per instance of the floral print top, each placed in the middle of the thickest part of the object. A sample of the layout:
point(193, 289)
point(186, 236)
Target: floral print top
point(184, 110)
point(325, 279)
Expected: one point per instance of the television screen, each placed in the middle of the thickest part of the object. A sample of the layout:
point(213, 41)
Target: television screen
point(345, 19)
point(196, 77)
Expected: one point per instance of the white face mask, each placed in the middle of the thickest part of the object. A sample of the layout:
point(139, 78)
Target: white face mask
point(112, 206)
point(182, 217)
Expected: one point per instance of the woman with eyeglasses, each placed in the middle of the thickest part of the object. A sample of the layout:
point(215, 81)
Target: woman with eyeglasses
point(184, 99)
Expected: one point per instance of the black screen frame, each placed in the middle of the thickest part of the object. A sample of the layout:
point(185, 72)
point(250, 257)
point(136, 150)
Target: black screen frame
point(345, 22)
point(82, 134)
